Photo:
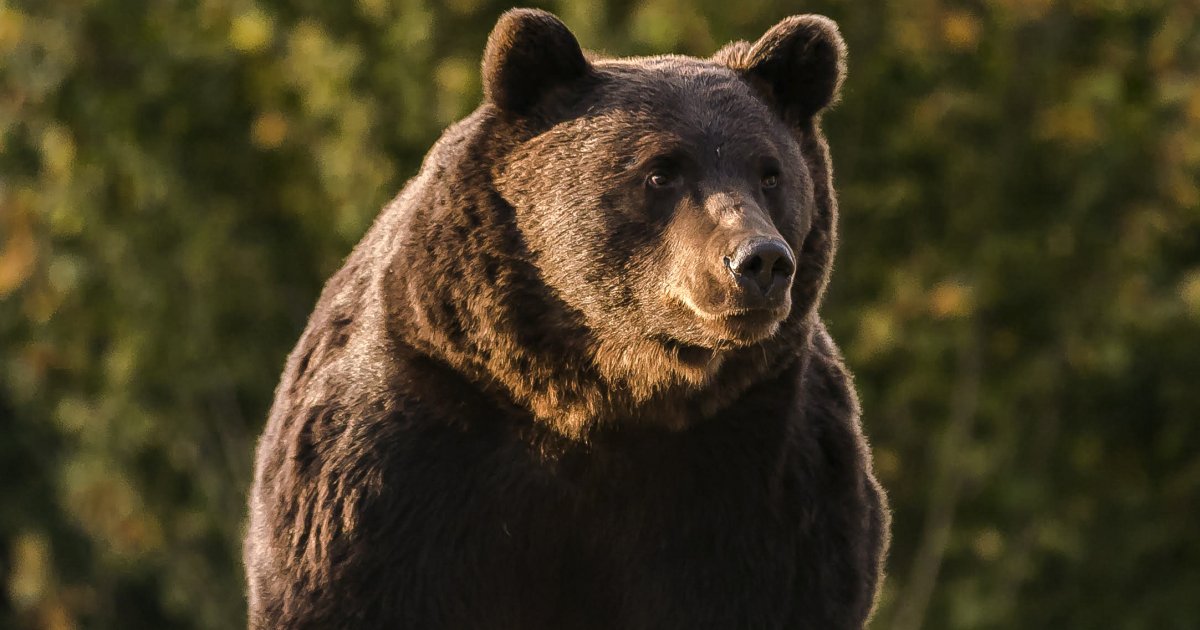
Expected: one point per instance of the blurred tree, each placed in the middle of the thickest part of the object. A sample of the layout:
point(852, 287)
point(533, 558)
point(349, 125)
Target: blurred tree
point(1018, 286)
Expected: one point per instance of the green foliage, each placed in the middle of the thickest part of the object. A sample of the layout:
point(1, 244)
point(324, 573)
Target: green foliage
point(1018, 286)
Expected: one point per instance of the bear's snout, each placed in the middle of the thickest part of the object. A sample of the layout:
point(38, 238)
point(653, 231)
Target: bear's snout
point(763, 268)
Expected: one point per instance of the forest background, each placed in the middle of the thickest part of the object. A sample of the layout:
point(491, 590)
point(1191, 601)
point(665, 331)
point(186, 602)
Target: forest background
point(1017, 290)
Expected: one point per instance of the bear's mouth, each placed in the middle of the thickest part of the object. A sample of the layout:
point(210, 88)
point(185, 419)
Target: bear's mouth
point(719, 331)
point(740, 327)
point(750, 327)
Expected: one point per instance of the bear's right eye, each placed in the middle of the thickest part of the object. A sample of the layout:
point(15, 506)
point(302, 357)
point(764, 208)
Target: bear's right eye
point(661, 179)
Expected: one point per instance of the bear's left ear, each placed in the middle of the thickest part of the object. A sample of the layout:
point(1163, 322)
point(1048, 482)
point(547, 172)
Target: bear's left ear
point(529, 53)
point(798, 65)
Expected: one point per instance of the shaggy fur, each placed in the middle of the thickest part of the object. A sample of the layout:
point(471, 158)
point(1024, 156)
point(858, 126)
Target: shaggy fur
point(539, 394)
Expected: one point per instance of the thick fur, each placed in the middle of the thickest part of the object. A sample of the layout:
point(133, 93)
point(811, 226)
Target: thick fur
point(509, 409)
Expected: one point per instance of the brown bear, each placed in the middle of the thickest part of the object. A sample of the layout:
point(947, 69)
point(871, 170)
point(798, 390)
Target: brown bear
point(574, 376)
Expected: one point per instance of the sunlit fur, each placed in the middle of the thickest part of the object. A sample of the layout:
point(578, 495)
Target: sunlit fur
point(535, 397)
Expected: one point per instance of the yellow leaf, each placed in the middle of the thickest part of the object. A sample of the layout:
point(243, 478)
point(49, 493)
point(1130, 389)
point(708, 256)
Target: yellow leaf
point(950, 299)
point(988, 544)
point(12, 28)
point(269, 130)
point(1189, 291)
point(251, 31)
point(960, 30)
point(58, 148)
point(1193, 106)
point(31, 570)
point(1071, 124)
point(18, 253)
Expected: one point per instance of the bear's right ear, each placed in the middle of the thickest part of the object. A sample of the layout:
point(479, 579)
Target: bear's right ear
point(529, 53)
point(798, 65)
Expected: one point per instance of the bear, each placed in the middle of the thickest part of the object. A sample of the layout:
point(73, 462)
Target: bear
point(574, 375)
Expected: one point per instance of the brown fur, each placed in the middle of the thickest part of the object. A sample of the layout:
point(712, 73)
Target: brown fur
point(538, 396)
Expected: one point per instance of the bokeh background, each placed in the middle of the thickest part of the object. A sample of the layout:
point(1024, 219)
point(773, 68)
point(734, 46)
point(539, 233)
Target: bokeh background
point(1018, 288)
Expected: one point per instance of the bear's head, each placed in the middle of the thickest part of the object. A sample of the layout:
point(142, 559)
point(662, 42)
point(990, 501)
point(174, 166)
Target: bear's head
point(666, 199)
point(677, 212)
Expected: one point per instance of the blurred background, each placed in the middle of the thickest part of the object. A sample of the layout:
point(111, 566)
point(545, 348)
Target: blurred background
point(1017, 290)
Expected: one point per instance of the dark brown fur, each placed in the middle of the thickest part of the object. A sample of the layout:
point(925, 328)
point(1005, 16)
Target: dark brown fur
point(510, 409)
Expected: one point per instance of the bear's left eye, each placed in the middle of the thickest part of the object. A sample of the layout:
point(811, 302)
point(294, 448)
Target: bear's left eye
point(661, 179)
point(770, 180)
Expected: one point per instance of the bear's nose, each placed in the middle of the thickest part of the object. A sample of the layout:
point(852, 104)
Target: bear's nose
point(765, 264)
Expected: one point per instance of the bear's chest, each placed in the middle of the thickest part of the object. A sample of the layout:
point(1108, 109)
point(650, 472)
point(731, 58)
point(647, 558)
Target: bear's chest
point(655, 536)
point(683, 557)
